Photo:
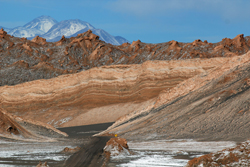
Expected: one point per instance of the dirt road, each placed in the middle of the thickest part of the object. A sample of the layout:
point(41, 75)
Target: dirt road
point(90, 155)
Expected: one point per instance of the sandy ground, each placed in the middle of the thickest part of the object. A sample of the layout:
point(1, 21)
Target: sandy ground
point(187, 145)
point(28, 154)
point(146, 153)
point(168, 153)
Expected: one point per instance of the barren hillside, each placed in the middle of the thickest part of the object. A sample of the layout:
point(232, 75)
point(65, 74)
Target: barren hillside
point(23, 60)
point(209, 106)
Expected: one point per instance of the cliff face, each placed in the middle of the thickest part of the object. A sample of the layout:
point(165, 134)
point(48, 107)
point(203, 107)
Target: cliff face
point(22, 60)
point(210, 106)
point(74, 99)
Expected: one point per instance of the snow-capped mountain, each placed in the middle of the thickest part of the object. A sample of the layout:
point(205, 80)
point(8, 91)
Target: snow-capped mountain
point(24, 32)
point(71, 28)
point(36, 27)
point(66, 28)
point(43, 23)
point(121, 40)
point(49, 28)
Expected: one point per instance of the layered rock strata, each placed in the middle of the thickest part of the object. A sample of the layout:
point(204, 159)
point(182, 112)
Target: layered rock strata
point(100, 94)
point(210, 106)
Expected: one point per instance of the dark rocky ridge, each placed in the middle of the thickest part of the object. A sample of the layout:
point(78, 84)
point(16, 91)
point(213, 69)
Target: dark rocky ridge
point(23, 60)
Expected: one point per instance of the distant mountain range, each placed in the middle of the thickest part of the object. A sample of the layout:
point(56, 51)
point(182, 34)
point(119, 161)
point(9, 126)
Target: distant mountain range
point(52, 30)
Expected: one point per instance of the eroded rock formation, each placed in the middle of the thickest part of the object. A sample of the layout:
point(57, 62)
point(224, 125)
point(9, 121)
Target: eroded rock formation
point(116, 146)
point(18, 128)
point(46, 60)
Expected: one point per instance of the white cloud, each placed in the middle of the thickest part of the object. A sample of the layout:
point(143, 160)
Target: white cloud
point(231, 10)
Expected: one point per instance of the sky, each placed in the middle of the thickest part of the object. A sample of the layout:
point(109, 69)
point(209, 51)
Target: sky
point(151, 21)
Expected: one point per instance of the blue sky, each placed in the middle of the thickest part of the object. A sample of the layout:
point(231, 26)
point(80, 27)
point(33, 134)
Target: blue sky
point(151, 21)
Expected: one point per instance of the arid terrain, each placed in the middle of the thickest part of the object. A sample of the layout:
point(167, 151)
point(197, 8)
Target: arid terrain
point(14, 127)
point(236, 156)
point(23, 60)
point(171, 90)
point(209, 106)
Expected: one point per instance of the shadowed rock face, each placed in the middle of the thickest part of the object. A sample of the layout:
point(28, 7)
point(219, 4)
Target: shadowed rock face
point(22, 60)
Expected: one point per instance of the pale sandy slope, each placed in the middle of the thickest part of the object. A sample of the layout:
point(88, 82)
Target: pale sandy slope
point(210, 106)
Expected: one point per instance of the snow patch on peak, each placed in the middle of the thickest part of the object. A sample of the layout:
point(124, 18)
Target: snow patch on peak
point(121, 40)
point(51, 30)
point(66, 28)
point(43, 23)
point(23, 32)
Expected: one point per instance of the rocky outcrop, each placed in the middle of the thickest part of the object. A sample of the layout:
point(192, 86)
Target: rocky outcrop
point(39, 40)
point(116, 146)
point(3, 34)
point(8, 126)
point(209, 106)
point(71, 100)
point(237, 156)
point(71, 150)
point(17, 128)
point(42, 164)
point(86, 51)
